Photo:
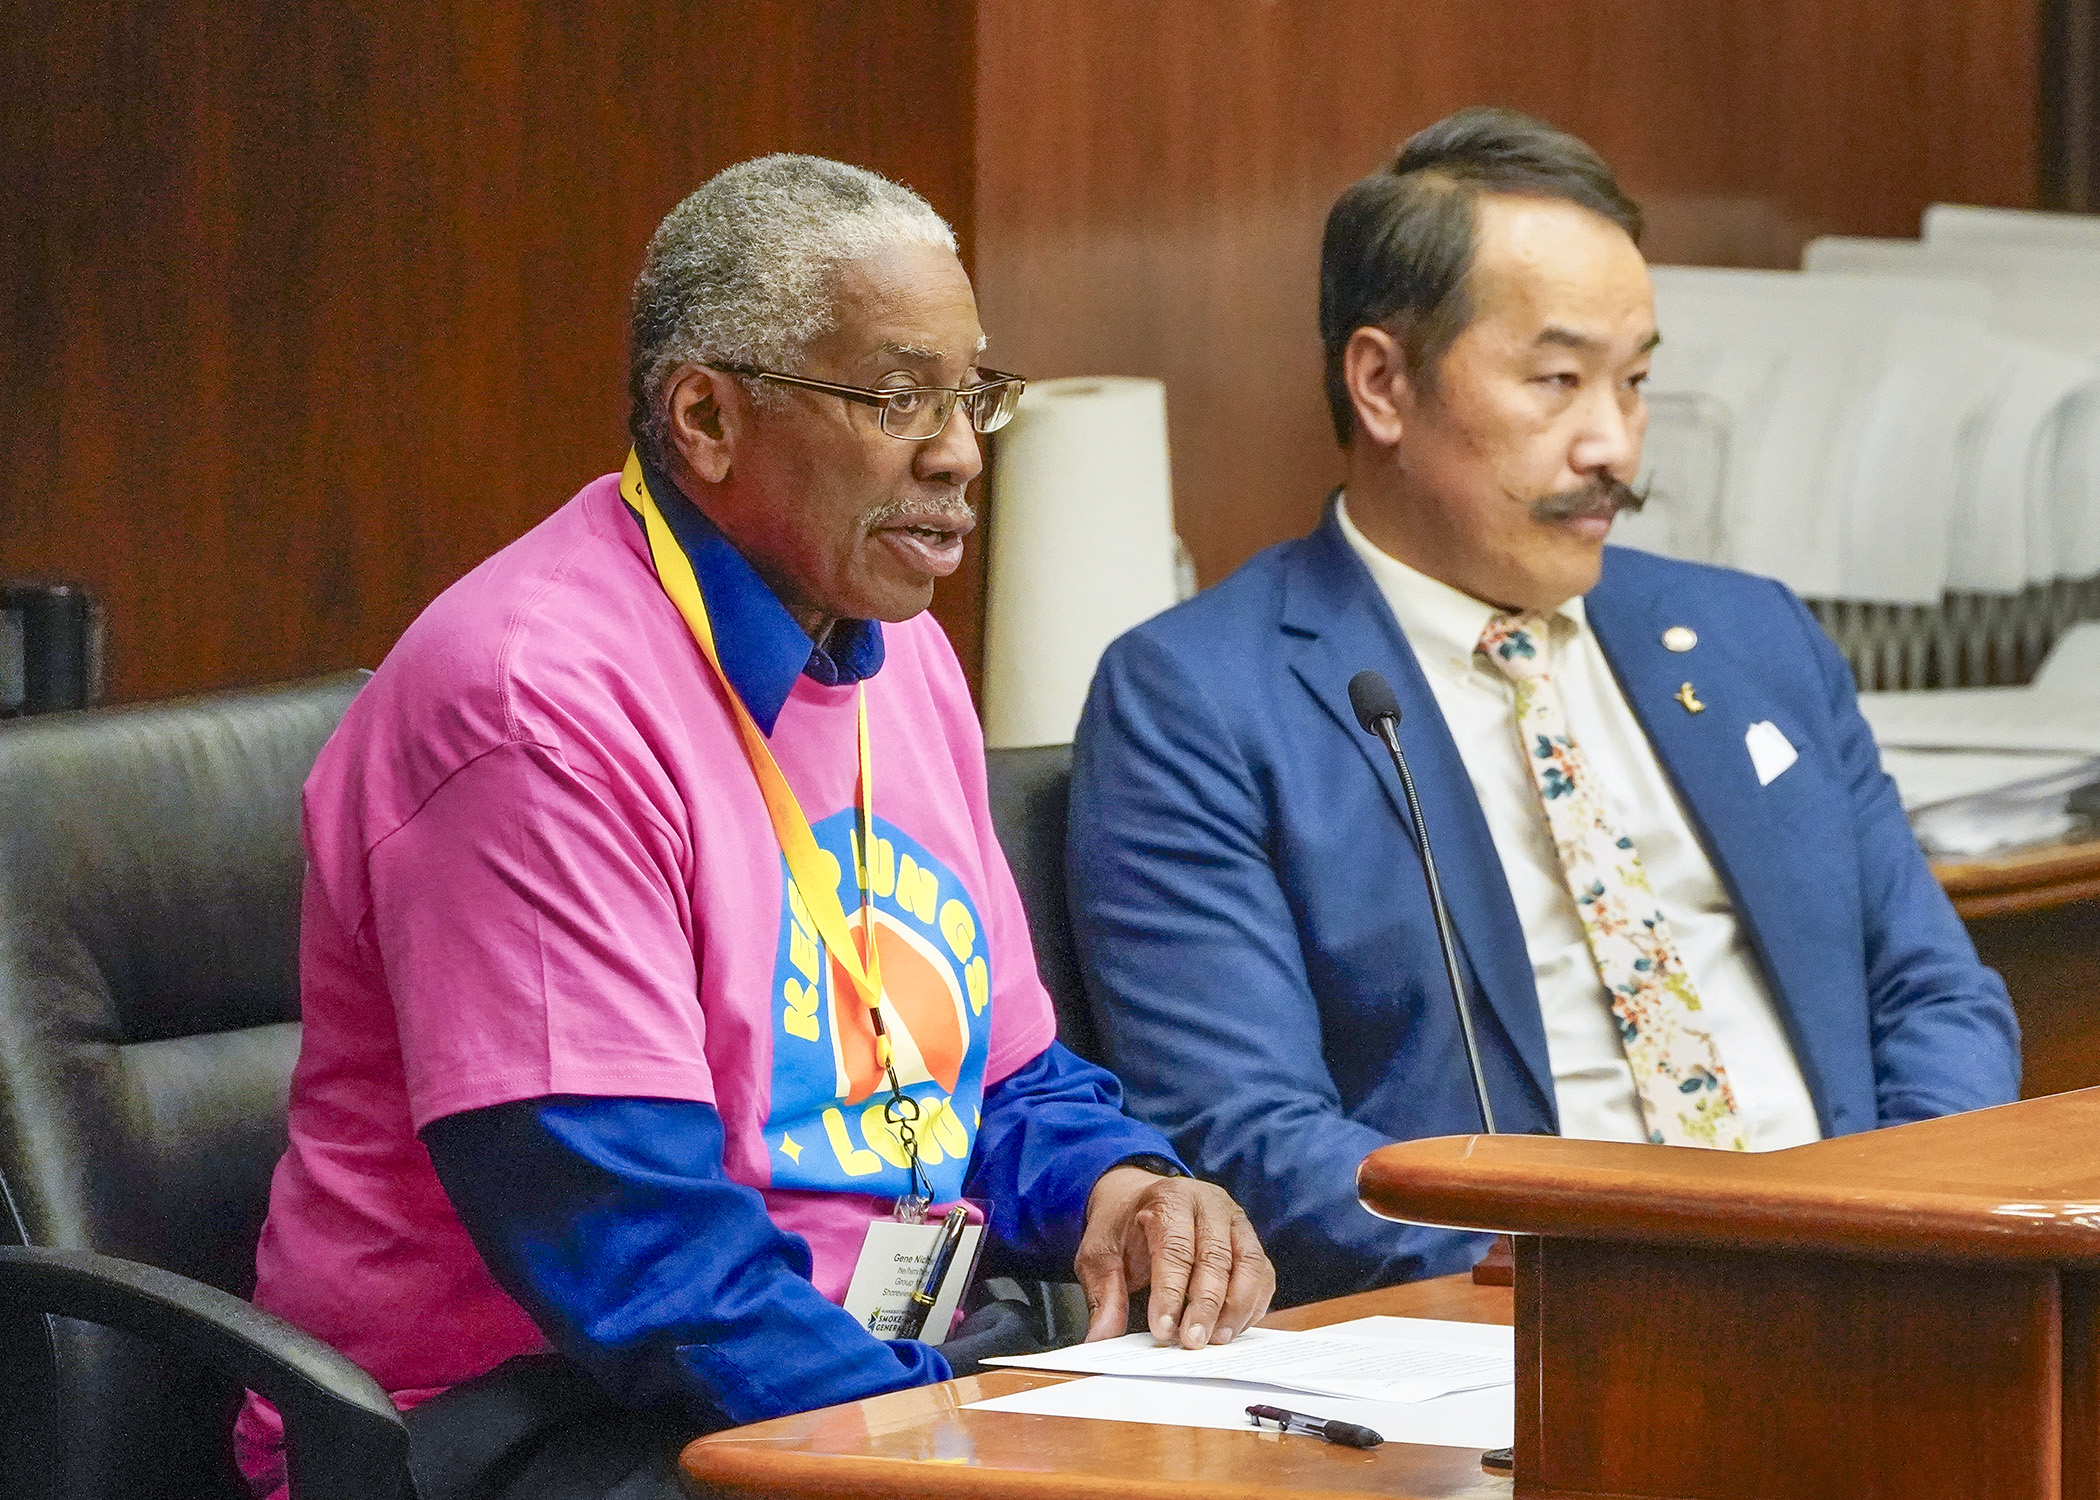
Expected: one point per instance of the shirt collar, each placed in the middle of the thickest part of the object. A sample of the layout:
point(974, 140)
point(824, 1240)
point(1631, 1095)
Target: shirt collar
point(1440, 622)
point(763, 651)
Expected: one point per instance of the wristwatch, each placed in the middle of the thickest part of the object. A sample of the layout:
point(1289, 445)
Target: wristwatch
point(1153, 1162)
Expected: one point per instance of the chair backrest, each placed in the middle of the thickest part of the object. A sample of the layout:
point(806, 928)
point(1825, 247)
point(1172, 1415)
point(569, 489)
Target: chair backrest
point(149, 999)
point(1029, 792)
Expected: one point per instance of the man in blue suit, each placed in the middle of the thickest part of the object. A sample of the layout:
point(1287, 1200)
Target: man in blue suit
point(1687, 903)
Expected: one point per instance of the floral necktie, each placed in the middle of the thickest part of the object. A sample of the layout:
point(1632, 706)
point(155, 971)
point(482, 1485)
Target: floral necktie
point(1684, 1092)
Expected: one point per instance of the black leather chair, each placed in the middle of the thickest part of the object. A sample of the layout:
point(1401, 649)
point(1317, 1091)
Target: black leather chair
point(149, 1002)
point(1029, 792)
point(149, 883)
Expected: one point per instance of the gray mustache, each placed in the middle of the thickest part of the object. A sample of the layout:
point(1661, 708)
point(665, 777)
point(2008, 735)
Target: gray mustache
point(961, 515)
point(1601, 498)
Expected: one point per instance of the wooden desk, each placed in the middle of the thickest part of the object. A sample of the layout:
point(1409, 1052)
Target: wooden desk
point(921, 1444)
point(1912, 1312)
point(2035, 918)
point(2036, 880)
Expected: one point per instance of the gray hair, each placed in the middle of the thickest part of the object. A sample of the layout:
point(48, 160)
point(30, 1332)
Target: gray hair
point(741, 272)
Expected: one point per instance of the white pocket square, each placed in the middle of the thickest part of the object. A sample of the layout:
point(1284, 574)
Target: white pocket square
point(1770, 752)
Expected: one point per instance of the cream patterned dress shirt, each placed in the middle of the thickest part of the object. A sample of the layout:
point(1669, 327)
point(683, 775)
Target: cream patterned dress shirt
point(1592, 1084)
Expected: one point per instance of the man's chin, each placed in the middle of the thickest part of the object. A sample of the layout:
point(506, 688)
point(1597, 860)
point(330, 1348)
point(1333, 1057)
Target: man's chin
point(1568, 567)
point(895, 601)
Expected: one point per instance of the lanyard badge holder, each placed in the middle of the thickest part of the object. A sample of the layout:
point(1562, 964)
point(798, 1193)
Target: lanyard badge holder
point(900, 1111)
point(808, 867)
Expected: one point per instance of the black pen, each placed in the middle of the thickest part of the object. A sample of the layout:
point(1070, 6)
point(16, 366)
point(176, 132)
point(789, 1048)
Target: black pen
point(1348, 1434)
point(928, 1291)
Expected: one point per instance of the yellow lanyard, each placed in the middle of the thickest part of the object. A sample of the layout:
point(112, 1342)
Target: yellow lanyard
point(808, 866)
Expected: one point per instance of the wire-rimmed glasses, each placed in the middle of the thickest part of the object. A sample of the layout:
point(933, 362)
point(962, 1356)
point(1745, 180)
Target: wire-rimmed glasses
point(914, 412)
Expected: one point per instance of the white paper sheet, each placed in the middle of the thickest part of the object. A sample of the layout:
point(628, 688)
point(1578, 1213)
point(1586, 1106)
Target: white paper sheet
point(1482, 1418)
point(1925, 778)
point(2005, 718)
point(1474, 1419)
point(1319, 1361)
point(1494, 1338)
point(2044, 810)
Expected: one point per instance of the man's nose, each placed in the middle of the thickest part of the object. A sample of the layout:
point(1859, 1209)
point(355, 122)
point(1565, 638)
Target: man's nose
point(1609, 439)
point(952, 455)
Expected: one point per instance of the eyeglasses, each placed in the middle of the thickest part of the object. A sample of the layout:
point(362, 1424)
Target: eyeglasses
point(915, 412)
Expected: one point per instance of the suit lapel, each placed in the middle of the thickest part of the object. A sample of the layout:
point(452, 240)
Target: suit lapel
point(1704, 756)
point(1343, 625)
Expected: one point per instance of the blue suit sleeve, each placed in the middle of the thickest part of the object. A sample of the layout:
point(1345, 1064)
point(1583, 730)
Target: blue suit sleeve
point(1942, 1026)
point(1050, 1129)
point(1193, 962)
point(612, 1224)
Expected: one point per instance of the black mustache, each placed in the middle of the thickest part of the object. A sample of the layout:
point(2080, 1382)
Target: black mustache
point(1603, 497)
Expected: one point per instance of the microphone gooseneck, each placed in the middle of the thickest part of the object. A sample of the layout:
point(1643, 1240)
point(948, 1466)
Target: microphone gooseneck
point(1377, 709)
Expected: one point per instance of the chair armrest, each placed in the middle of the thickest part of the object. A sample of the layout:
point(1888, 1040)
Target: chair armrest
point(343, 1438)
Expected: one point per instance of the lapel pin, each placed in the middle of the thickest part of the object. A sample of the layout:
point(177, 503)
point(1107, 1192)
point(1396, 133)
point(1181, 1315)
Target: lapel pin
point(1680, 638)
point(1690, 700)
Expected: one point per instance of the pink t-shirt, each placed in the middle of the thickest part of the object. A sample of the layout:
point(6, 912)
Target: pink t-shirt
point(538, 863)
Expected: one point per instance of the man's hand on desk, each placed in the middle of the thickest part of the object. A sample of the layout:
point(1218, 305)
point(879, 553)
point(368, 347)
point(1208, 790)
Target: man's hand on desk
point(1188, 1240)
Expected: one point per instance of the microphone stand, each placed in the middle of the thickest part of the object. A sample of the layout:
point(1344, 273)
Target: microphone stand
point(1378, 711)
point(1384, 721)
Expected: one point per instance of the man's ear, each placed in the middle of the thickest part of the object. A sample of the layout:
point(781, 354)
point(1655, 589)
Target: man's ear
point(707, 417)
point(1374, 368)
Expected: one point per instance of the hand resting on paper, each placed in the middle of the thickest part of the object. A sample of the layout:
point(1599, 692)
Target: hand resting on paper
point(1189, 1241)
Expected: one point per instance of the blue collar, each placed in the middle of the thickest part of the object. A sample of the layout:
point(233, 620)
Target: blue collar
point(763, 650)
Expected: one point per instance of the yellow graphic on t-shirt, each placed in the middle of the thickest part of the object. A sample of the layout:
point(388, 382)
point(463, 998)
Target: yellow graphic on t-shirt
point(936, 986)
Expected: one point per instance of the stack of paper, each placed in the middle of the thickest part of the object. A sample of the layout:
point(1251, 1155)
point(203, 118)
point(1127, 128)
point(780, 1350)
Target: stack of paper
point(1408, 1379)
point(1986, 769)
point(1928, 779)
point(2063, 807)
point(2021, 720)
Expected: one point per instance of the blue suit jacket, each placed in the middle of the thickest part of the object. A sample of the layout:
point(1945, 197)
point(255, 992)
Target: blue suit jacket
point(1258, 942)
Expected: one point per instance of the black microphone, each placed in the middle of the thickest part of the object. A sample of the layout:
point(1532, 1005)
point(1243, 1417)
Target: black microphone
point(1378, 710)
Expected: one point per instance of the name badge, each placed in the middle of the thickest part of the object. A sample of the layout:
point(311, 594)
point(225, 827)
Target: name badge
point(893, 1258)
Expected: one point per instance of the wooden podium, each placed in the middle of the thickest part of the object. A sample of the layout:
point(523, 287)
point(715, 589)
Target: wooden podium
point(1911, 1313)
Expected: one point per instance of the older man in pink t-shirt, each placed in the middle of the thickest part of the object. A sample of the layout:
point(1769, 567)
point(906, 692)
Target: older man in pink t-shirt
point(593, 1116)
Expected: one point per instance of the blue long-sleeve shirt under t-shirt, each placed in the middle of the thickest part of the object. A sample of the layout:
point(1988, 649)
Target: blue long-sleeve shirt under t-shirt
point(612, 1223)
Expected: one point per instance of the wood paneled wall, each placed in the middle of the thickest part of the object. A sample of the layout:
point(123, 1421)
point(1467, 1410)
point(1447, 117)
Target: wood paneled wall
point(1153, 178)
point(308, 307)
